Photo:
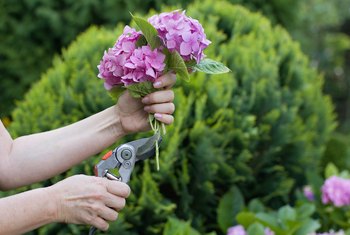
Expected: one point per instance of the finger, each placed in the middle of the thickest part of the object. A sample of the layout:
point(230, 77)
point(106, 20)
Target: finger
point(114, 202)
point(166, 108)
point(100, 224)
point(118, 188)
point(166, 81)
point(108, 214)
point(165, 118)
point(164, 96)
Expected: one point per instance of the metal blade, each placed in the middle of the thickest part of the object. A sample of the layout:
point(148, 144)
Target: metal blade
point(148, 148)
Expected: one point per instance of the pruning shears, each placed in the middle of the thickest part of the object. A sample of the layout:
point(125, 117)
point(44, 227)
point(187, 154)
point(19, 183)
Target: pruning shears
point(124, 158)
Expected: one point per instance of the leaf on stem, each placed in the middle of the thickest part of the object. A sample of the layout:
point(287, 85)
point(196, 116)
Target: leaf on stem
point(211, 67)
point(150, 33)
point(141, 89)
point(177, 64)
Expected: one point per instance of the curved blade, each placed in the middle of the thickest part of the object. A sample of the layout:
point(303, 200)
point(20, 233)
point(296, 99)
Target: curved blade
point(147, 149)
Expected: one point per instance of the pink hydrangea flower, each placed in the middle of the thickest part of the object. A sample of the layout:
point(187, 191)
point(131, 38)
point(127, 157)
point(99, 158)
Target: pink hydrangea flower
point(143, 65)
point(181, 33)
point(239, 230)
point(336, 190)
point(236, 230)
point(308, 193)
point(111, 67)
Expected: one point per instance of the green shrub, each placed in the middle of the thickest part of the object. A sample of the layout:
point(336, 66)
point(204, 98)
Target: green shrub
point(257, 130)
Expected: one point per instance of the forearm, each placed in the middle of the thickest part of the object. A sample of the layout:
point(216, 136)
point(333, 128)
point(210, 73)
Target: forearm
point(26, 211)
point(40, 156)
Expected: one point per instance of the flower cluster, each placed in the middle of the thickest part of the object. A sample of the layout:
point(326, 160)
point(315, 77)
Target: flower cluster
point(125, 64)
point(239, 230)
point(181, 33)
point(337, 191)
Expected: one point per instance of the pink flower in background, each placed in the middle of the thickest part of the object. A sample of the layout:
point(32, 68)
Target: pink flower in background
point(308, 193)
point(239, 230)
point(336, 190)
point(236, 230)
point(268, 231)
point(143, 65)
point(181, 33)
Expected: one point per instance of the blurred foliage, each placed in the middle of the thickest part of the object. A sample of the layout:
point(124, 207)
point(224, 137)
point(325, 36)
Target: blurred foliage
point(258, 130)
point(322, 28)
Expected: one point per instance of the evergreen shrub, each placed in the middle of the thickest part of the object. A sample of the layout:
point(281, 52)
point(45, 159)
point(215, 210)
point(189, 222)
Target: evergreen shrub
point(251, 134)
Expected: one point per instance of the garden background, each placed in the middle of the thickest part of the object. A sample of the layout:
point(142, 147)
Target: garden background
point(243, 146)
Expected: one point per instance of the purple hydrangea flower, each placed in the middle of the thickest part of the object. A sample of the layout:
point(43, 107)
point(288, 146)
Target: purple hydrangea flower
point(336, 190)
point(308, 193)
point(181, 33)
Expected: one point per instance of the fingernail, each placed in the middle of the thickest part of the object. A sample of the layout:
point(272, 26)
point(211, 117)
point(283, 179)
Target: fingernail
point(145, 100)
point(158, 115)
point(157, 84)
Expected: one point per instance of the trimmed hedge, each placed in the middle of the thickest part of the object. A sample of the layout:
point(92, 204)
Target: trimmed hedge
point(254, 133)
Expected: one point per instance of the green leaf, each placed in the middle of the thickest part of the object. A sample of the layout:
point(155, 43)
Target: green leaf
point(141, 89)
point(256, 229)
point(306, 210)
point(256, 206)
point(331, 170)
point(245, 218)
point(308, 226)
point(286, 214)
point(177, 64)
point(141, 41)
point(175, 226)
point(150, 33)
point(211, 67)
point(115, 92)
point(229, 206)
point(268, 220)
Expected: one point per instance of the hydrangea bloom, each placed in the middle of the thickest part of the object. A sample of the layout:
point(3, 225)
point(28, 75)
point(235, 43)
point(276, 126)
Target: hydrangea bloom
point(308, 193)
point(181, 33)
point(143, 65)
point(336, 190)
point(236, 230)
point(239, 230)
point(111, 67)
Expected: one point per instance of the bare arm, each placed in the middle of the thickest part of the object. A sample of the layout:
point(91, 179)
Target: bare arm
point(17, 212)
point(40, 156)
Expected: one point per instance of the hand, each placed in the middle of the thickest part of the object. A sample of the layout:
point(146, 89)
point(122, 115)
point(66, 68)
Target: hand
point(133, 113)
point(82, 199)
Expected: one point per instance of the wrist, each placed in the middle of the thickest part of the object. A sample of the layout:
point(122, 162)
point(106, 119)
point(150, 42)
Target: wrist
point(118, 125)
point(51, 204)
